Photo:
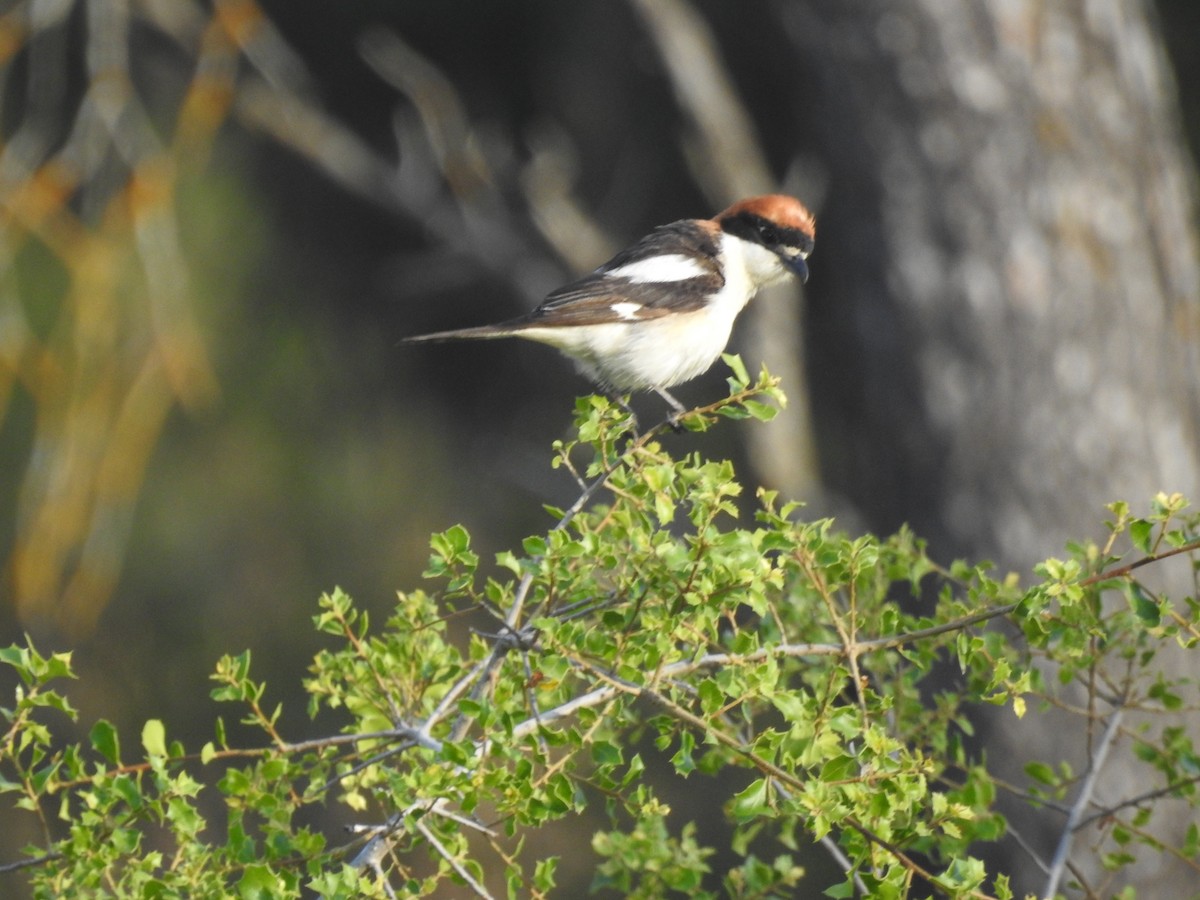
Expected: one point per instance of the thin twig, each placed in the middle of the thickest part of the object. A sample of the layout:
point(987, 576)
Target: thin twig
point(451, 697)
point(371, 857)
point(1058, 863)
point(1030, 850)
point(1163, 791)
point(286, 749)
point(19, 864)
point(513, 618)
point(367, 763)
point(1122, 571)
point(457, 866)
point(769, 769)
point(837, 853)
point(439, 809)
point(847, 635)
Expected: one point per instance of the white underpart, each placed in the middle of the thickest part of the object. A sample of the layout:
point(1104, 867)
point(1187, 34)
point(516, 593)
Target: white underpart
point(668, 267)
point(668, 350)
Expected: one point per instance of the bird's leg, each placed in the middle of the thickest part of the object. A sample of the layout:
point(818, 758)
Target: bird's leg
point(679, 409)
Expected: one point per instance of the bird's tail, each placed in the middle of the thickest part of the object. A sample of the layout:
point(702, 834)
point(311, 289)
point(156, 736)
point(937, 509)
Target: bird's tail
point(462, 334)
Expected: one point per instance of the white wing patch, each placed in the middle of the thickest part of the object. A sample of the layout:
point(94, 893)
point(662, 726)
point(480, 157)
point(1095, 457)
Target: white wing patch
point(627, 311)
point(668, 267)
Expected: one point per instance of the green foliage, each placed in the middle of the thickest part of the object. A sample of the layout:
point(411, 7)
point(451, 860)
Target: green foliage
point(662, 622)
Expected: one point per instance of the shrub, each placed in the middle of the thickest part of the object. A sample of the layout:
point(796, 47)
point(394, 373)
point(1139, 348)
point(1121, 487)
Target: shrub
point(838, 674)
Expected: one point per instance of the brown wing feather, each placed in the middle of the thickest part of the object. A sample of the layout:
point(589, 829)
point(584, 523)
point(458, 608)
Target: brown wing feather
point(590, 300)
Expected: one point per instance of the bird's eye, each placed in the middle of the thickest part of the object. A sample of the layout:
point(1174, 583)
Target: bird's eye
point(769, 233)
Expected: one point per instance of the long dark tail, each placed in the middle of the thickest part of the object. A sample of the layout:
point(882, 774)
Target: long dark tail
point(481, 332)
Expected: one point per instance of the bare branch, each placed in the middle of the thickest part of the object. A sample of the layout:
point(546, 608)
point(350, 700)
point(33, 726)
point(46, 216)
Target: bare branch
point(1062, 852)
point(1111, 810)
point(19, 864)
point(463, 873)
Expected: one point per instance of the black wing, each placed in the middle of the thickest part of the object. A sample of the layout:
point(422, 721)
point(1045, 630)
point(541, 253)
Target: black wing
point(602, 297)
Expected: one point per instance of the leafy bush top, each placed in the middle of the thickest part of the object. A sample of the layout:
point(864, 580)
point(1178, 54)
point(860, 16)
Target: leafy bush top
point(838, 673)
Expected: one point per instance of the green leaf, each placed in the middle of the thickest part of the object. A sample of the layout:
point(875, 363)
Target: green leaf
point(14, 656)
point(543, 873)
point(636, 767)
point(842, 891)
point(606, 753)
point(753, 801)
point(962, 875)
point(1039, 771)
point(154, 738)
point(712, 698)
point(1143, 606)
point(840, 768)
point(453, 540)
point(741, 378)
point(1018, 705)
point(683, 759)
point(535, 545)
point(1140, 533)
point(258, 882)
point(105, 741)
point(764, 412)
point(1164, 693)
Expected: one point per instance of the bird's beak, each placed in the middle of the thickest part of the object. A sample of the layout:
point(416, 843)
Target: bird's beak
point(797, 264)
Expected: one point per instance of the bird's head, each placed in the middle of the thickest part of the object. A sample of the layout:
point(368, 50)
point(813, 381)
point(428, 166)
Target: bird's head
point(778, 223)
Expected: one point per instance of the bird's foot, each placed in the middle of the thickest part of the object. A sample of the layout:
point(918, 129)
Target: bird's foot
point(678, 410)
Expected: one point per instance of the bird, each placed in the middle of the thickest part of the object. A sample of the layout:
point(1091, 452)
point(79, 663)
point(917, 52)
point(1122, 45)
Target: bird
point(661, 311)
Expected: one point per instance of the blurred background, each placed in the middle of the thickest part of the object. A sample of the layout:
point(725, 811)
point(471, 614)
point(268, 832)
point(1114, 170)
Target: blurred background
point(218, 219)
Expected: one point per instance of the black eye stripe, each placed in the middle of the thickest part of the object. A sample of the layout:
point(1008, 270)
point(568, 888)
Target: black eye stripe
point(764, 231)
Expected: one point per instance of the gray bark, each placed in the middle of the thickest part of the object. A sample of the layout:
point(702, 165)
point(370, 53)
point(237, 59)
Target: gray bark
point(1005, 320)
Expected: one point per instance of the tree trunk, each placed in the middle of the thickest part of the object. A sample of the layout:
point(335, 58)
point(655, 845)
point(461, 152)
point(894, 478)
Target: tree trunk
point(1005, 320)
